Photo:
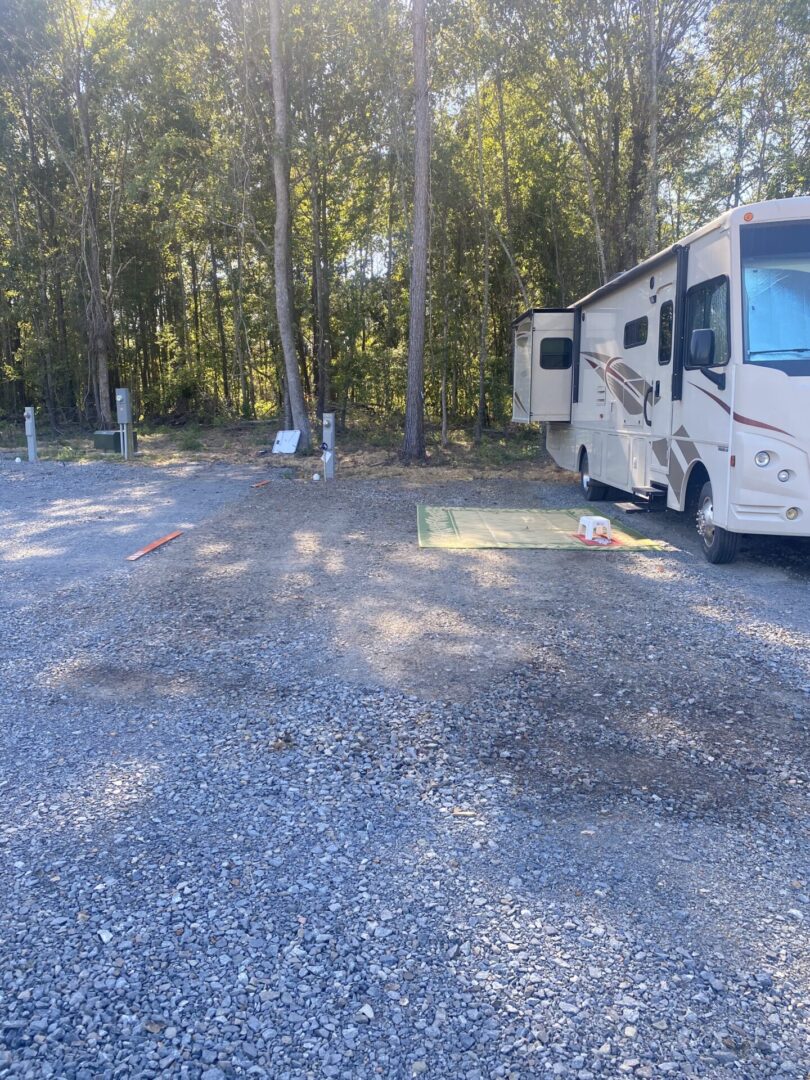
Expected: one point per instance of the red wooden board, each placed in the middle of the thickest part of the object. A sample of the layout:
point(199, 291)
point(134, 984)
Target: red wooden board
point(155, 544)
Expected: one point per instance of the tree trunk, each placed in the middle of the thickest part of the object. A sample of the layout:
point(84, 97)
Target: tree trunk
point(223, 349)
point(507, 182)
point(652, 220)
point(195, 295)
point(445, 331)
point(281, 239)
point(239, 335)
point(182, 299)
point(323, 346)
point(555, 240)
point(321, 316)
point(579, 141)
point(99, 320)
point(44, 334)
point(413, 446)
point(61, 327)
point(484, 209)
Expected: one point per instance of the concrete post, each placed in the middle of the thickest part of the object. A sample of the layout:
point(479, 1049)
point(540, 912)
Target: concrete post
point(31, 432)
point(328, 446)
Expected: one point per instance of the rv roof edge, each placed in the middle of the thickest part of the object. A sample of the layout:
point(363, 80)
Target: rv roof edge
point(539, 311)
point(642, 270)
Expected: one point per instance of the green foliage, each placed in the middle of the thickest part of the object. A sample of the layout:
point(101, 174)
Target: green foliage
point(190, 439)
point(585, 170)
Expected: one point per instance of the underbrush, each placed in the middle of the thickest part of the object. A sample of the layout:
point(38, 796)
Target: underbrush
point(366, 440)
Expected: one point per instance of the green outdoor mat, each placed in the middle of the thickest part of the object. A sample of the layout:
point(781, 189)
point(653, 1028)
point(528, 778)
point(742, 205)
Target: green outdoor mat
point(470, 527)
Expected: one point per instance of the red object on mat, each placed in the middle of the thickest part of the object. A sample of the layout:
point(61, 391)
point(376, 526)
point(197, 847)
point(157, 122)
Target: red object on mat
point(155, 544)
point(597, 543)
point(261, 483)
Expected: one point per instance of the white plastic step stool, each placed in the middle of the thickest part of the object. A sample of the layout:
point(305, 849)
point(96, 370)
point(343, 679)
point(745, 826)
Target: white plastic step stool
point(593, 526)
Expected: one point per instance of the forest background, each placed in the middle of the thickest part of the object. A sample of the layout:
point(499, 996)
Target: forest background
point(140, 158)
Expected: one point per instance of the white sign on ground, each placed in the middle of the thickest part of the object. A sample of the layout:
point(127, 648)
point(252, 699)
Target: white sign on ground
point(286, 442)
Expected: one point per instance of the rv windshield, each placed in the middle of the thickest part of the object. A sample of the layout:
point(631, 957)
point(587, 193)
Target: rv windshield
point(776, 295)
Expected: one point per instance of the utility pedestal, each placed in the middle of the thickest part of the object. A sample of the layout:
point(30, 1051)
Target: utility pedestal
point(31, 432)
point(328, 446)
point(123, 406)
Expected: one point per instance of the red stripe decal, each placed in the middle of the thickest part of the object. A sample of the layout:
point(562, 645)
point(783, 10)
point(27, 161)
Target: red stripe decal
point(708, 393)
point(738, 416)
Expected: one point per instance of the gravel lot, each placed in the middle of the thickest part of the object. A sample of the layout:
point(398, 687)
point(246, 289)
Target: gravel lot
point(293, 798)
point(63, 524)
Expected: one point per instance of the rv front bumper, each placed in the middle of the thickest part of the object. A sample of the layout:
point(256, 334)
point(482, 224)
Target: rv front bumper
point(790, 520)
point(770, 490)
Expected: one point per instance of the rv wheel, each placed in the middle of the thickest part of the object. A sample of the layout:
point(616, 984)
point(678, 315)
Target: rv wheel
point(591, 489)
point(719, 545)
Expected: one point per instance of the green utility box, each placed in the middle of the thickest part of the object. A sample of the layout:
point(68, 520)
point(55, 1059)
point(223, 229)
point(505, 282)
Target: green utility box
point(111, 440)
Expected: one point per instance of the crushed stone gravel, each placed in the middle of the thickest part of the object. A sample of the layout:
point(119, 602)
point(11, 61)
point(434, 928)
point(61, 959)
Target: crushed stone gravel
point(295, 799)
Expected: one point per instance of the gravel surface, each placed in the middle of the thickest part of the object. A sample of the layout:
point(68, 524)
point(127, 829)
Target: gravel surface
point(293, 798)
point(60, 522)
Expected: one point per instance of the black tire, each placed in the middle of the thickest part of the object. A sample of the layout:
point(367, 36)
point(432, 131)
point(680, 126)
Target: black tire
point(592, 490)
point(719, 545)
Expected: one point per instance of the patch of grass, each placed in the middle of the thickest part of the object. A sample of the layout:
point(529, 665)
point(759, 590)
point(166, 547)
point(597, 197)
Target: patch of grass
point(66, 452)
point(11, 436)
point(190, 440)
point(148, 427)
point(383, 438)
point(369, 446)
point(500, 450)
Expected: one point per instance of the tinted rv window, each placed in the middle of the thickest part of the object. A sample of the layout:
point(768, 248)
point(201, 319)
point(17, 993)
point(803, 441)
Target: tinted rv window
point(665, 333)
point(635, 332)
point(707, 309)
point(555, 353)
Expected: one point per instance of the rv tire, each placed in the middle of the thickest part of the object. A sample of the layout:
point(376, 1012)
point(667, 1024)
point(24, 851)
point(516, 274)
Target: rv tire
point(719, 545)
point(590, 488)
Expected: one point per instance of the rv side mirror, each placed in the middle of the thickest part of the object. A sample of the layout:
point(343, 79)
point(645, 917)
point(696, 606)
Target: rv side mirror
point(701, 349)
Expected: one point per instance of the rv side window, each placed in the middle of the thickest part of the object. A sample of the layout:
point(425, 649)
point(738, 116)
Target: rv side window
point(555, 353)
point(707, 309)
point(635, 332)
point(665, 333)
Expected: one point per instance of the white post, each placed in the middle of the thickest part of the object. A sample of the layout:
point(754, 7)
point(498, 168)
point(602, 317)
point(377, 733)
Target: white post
point(123, 405)
point(31, 432)
point(328, 446)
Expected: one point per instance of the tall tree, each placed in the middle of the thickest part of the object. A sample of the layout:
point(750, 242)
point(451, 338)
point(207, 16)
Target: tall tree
point(282, 234)
point(413, 445)
point(79, 76)
point(484, 212)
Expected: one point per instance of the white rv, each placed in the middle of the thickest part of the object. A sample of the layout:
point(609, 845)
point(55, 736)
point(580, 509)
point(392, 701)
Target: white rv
point(688, 377)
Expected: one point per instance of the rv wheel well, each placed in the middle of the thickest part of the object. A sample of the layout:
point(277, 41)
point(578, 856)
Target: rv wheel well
point(582, 452)
point(697, 478)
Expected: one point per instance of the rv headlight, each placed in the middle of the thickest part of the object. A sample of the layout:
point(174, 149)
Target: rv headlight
point(762, 459)
point(783, 475)
point(792, 513)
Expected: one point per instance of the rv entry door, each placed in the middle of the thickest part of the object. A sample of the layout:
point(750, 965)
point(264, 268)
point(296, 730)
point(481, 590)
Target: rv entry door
point(658, 403)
